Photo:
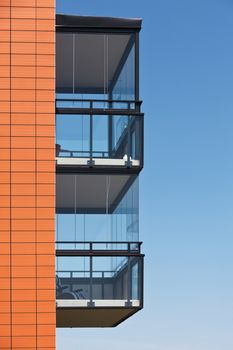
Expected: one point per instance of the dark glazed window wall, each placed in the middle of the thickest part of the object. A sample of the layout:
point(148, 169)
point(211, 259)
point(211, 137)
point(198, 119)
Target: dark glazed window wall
point(95, 66)
point(96, 208)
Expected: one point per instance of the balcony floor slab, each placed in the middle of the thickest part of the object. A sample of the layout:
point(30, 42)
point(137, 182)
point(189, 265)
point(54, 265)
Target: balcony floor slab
point(104, 313)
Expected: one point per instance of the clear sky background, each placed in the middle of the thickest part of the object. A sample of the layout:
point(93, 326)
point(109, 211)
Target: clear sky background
point(186, 194)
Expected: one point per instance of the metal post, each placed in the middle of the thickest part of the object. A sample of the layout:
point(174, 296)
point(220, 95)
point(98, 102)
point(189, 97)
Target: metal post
point(137, 67)
point(90, 162)
point(102, 285)
point(91, 303)
point(141, 280)
point(110, 130)
point(128, 302)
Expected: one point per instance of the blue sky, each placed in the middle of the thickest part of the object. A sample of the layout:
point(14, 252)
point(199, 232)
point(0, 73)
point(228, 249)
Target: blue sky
point(186, 194)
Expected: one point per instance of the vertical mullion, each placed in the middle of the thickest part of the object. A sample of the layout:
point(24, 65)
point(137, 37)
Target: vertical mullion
point(136, 66)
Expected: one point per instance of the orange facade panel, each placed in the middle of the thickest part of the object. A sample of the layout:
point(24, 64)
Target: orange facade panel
point(5, 24)
point(23, 72)
point(5, 106)
point(23, 48)
point(19, 271)
point(27, 174)
point(45, 37)
point(23, 12)
point(46, 3)
point(45, 12)
point(23, 36)
point(4, 35)
point(4, 203)
point(22, 237)
point(23, 178)
point(4, 154)
point(4, 48)
point(23, 24)
point(5, 118)
point(23, 142)
point(4, 12)
point(23, 202)
point(21, 330)
point(23, 3)
point(23, 154)
point(45, 24)
point(4, 83)
point(4, 59)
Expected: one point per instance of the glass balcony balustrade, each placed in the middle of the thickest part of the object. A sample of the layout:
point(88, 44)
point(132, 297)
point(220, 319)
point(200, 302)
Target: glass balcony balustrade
point(93, 279)
point(100, 137)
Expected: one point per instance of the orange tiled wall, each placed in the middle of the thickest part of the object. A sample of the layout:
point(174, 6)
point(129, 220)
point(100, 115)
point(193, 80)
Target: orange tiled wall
point(27, 175)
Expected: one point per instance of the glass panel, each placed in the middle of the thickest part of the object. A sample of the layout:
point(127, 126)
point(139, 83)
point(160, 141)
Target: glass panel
point(113, 137)
point(90, 61)
point(64, 62)
point(119, 136)
point(72, 135)
point(135, 281)
point(105, 278)
point(124, 85)
point(96, 66)
point(97, 208)
point(100, 136)
point(125, 217)
point(72, 274)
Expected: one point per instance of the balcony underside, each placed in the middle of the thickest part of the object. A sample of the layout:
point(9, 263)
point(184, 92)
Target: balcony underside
point(105, 313)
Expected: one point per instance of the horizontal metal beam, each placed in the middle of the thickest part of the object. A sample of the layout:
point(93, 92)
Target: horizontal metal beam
point(63, 252)
point(97, 169)
point(98, 111)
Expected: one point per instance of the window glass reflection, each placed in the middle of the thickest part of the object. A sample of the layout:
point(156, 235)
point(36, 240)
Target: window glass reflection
point(95, 66)
point(103, 208)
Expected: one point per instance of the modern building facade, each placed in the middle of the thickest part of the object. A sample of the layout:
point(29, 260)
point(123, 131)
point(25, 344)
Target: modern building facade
point(71, 150)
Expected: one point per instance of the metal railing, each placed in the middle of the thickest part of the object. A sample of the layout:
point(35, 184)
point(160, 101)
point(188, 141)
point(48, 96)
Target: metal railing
point(99, 248)
point(98, 104)
point(118, 277)
point(128, 145)
point(80, 154)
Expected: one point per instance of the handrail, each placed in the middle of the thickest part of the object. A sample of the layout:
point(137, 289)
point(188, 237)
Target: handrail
point(131, 249)
point(104, 154)
point(99, 100)
point(101, 242)
point(99, 105)
point(91, 243)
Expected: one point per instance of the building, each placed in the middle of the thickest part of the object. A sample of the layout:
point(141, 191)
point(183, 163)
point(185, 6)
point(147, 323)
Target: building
point(70, 254)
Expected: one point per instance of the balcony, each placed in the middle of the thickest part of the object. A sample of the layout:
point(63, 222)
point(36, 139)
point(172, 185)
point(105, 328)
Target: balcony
point(99, 261)
point(99, 123)
point(99, 141)
point(98, 284)
point(99, 154)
